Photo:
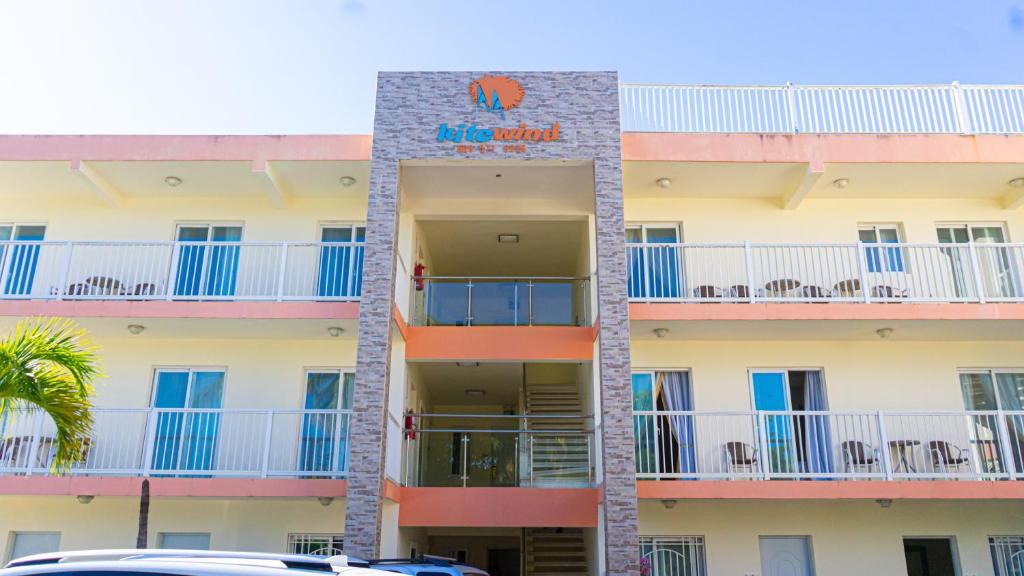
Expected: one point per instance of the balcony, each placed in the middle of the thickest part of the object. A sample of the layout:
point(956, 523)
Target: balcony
point(193, 443)
point(801, 445)
point(498, 451)
point(500, 301)
point(789, 109)
point(208, 271)
point(821, 273)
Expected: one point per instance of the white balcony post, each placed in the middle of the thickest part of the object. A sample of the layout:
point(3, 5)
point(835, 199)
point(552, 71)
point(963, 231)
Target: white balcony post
point(283, 270)
point(791, 102)
point(65, 271)
point(469, 302)
point(465, 458)
point(884, 449)
point(762, 443)
point(1004, 446)
point(170, 282)
point(979, 284)
point(530, 438)
point(963, 119)
point(748, 259)
point(33, 449)
point(150, 441)
point(862, 273)
point(268, 435)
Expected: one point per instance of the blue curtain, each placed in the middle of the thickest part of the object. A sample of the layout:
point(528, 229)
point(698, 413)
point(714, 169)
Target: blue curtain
point(818, 431)
point(677, 396)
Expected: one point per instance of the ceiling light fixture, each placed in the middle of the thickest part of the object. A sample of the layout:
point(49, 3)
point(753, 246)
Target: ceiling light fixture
point(497, 175)
point(477, 392)
point(660, 332)
point(172, 181)
point(335, 331)
point(508, 238)
point(467, 364)
point(346, 181)
point(840, 183)
point(84, 498)
point(668, 504)
point(884, 333)
point(136, 329)
point(664, 182)
point(884, 502)
point(1016, 183)
point(325, 500)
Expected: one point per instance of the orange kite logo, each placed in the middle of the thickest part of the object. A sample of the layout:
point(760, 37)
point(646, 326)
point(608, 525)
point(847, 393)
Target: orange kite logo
point(496, 93)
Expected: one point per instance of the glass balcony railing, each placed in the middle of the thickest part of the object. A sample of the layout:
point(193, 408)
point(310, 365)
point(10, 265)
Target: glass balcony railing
point(192, 442)
point(827, 445)
point(460, 450)
point(181, 271)
point(490, 301)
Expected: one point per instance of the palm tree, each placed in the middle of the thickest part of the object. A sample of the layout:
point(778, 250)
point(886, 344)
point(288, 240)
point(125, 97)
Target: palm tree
point(50, 364)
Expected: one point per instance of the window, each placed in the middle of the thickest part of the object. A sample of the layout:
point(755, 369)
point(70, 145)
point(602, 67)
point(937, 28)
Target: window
point(993, 389)
point(796, 442)
point(664, 439)
point(184, 540)
point(1007, 555)
point(655, 266)
point(28, 543)
point(891, 260)
point(341, 260)
point(205, 267)
point(325, 430)
point(672, 556)
point(18, 261)
point(187, 439)
point(989, 390)
point(319, 544)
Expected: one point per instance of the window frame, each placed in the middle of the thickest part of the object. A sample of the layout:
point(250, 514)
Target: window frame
point(14, 534)
point(991, 372)
point(292, 540)
point(644, 226)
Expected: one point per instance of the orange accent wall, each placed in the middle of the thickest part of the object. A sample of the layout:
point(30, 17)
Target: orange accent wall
point(198, 487)
point(835, 490)
point(498, 507)
point(499, 343)
point(819, 148)
point(163, 309)
point(837, 311)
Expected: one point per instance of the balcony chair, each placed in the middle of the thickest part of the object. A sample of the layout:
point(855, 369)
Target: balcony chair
point(739, 455)
point(857, 454)
point(104, 286)
point(883, 291)
point(144, 289)
point(847, 288)
point(779, 287)
point(707, 291)
point(816, 292)
point(739, 291)
point(948, 457)
point(78, 289)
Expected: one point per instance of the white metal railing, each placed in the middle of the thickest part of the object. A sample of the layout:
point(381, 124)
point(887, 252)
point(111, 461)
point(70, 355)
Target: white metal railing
point(862, 272)
point(187, 442)
point(76, 270)
point(500, 301)
point(487, 450)
point(932, 109)
point(830, 445)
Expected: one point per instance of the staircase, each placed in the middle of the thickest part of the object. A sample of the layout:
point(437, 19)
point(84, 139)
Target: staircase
point(555, 552)
point(557, 459)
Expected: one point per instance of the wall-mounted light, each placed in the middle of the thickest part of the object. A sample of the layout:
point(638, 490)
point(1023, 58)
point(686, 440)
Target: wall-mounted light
point(346, 181)
point(335, 331)
point(172, 181)
point(136, 329)
point(1016, 183)
point(508, 238)
point(660, 332)
point(663, 182)
point(840, 183)
point(475, 392)
point(84, 498)
point(325, 500)
point(884, 333)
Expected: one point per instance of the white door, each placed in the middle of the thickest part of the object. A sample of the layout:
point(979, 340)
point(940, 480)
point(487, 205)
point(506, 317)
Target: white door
point(786, 556)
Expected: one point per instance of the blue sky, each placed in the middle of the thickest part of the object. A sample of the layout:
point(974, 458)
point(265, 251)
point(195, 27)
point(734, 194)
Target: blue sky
point(308, 66)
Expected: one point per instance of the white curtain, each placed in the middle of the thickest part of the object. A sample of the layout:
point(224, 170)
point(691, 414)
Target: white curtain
point(677, 396)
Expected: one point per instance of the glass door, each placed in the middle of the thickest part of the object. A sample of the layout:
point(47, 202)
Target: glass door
point(770, 391)
point(987, 391)
point(188, 426)
point(655, 269)
point(204, 268)
point(889, 260)
point(999, 277)
point(324, 442)
point(18, 261)
point(645, 425)
point(341, 266)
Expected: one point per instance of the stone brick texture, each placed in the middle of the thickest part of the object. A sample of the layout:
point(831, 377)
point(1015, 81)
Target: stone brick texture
point(410, 107)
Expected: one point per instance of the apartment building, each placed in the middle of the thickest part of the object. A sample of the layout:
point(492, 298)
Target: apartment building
point(545, 323)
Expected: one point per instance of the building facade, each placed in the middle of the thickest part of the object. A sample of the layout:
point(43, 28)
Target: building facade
point(545, 323)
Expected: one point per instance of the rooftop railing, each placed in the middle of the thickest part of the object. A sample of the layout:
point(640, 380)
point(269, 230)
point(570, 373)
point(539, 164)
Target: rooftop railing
point(192, 442)
point(862, 272)
point(77, 270)
point(933, 109)
point(798, 445)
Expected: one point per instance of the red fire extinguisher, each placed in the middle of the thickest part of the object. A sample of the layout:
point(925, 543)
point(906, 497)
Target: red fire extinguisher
point(417, 273)
point(410, 425)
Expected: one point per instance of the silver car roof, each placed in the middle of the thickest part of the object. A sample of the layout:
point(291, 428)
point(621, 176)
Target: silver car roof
point(185, 565)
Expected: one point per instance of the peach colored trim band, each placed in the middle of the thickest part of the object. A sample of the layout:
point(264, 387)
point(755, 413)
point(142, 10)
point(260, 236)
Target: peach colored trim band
point(499, 343)
point(198, 487)
point(480, 507)
point(844, 311)
point(835, 490)
point(162, 309)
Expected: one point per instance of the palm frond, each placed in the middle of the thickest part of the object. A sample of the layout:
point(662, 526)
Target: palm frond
point(50, 364)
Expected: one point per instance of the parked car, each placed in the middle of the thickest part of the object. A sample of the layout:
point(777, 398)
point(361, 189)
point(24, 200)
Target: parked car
point(131, 562)
point(426, 566)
